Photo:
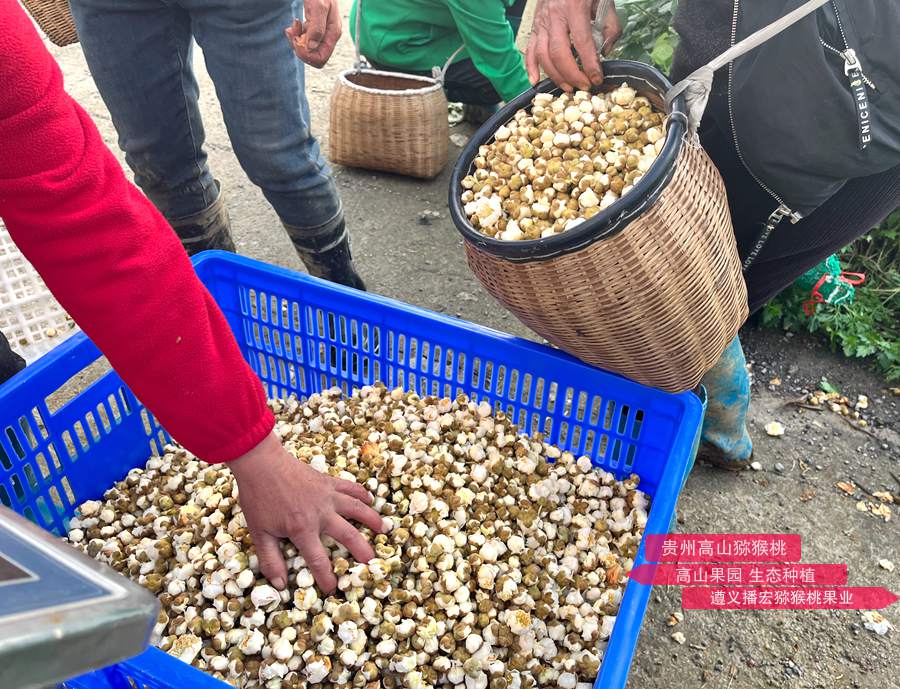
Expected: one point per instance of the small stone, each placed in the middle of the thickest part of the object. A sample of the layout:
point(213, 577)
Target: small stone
point(675, 618)
point(427, 217)
point(874, 621)
point(679, 638)
point(886, 564)
point(459, 140)
point(774, 429)
point(779, 467)
point(756, 466)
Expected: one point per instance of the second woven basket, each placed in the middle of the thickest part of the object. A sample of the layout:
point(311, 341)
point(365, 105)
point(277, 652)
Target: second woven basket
point(651, 287)
point(389, 121)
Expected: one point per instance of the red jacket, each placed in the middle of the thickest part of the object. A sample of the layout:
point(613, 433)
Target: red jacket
point(112, 260)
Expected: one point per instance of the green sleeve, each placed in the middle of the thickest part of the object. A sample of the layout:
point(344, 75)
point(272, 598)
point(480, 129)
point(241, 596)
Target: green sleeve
point(490, 44)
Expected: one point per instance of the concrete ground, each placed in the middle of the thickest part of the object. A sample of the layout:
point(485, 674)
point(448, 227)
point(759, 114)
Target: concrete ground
point(402, 255)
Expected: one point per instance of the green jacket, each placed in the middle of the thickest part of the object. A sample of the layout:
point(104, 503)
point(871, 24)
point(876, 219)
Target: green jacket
point(417, 35)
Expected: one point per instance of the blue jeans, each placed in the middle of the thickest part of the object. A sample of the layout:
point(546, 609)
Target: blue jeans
point(139, 53)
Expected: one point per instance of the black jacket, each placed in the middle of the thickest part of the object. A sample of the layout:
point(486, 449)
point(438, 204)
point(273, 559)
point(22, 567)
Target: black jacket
point(804, 119)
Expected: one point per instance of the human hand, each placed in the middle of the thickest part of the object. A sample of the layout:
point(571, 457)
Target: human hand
point(559, 24)
point(283, 497)
point(314, 40)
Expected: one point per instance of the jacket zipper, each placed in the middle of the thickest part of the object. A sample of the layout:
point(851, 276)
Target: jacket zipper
point(848, 55)
point(851, 62)
point(857, 81)
point(782, 211)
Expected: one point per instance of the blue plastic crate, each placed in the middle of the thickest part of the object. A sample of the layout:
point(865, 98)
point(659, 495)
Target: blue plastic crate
point(302, 335)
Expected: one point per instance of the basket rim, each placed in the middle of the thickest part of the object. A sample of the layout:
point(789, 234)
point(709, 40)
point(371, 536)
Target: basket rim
point(607, 222)
point(434, 86)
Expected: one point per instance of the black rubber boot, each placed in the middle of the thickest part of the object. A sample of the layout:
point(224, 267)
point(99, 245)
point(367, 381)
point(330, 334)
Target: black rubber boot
point(325, 251)
point(10, 362)
point(208, 229)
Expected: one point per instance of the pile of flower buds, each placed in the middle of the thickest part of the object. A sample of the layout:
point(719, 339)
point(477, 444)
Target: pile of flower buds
point(503, 567)
point(549, 170)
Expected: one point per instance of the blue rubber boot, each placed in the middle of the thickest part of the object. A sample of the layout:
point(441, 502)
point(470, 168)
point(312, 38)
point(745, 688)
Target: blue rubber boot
point(724, 440)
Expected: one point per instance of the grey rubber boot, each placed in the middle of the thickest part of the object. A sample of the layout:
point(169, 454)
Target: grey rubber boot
point(325, 251)
point(208, 229)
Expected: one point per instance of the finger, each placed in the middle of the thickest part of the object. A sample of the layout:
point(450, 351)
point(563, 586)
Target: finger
point(611, 34)
point(351, 508)
point(334, 19)
point(293, 31)
point(316, 558)
point(319, 57)
point(344, 533)
point(292, 39)
point(606, 48)
point(271, 561)
point(583, 41)
point(612, 27)
point(312, 58)
point(332, 35)
point(531, 62)
point(353, 489)
point(316, 16)
point(563, 60)
point(545, 60)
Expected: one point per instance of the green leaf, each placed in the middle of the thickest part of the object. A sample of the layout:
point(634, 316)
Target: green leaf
point(825, 386)
point(663, 51)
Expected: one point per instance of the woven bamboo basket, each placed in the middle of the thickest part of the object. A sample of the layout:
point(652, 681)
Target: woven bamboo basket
point(389, 121)
point(651, 287)
point(55, 19)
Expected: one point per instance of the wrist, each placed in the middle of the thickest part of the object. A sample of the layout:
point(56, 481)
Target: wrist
point(269, 446)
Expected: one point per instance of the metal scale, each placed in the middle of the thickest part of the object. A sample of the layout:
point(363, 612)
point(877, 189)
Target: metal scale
point(62, 613)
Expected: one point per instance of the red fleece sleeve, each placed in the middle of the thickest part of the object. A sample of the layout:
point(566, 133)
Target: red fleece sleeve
point(112, 260)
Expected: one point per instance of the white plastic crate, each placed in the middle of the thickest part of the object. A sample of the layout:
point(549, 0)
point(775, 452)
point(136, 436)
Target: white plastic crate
point(30, 317)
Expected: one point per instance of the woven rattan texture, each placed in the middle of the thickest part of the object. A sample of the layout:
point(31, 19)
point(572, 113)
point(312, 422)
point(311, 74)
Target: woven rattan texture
point(658, 302)
point(394, 131)
point(55, 20)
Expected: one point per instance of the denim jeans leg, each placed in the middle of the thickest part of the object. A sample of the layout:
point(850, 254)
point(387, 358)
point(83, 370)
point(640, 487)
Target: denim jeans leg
point(139, 54)
point(260, 85)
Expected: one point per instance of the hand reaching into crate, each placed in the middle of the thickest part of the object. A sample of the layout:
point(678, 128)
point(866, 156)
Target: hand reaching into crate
point(284, 498)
